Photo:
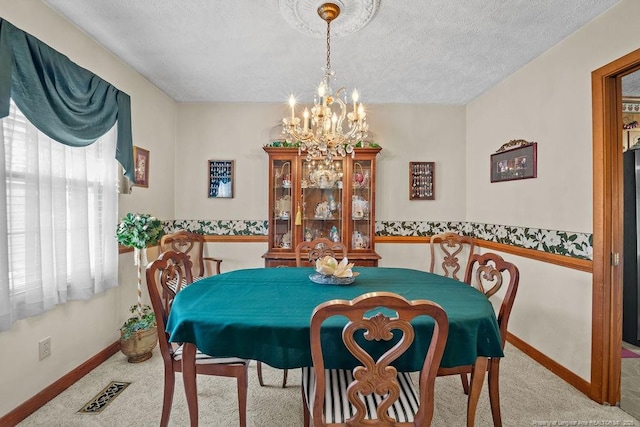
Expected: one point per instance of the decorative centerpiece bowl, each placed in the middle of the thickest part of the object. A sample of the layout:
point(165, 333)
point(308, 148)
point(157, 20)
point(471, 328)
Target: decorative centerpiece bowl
point(331, 272)
point(324, 279)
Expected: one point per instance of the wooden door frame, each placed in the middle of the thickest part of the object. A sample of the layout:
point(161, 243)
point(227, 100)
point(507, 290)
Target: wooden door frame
point(606, 340)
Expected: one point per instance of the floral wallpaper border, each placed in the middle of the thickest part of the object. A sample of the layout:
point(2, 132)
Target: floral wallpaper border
point(571, 244)
point(234, 227)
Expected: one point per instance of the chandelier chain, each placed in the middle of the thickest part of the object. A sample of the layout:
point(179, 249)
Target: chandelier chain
point(328, 47)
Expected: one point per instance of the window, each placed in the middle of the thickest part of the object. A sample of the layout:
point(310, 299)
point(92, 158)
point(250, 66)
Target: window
point(57, 232)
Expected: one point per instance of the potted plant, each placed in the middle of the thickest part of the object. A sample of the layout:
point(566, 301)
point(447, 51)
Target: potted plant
point(138, 334)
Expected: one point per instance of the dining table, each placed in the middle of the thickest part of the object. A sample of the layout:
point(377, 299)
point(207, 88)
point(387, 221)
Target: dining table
point(264, 314)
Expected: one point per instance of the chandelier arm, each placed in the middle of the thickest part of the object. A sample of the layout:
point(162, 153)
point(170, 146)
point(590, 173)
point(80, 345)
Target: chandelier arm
point(299, 136)
point(343, 111)
point(351, 134)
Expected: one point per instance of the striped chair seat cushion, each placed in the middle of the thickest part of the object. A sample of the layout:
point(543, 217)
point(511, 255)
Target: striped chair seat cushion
point(337, 407)
point(202, 359)
point(173, 282)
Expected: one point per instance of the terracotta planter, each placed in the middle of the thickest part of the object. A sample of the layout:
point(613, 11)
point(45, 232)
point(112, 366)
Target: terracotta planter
point(139, 346)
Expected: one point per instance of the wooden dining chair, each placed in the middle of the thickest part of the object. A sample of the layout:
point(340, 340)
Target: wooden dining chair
point(193, 245)
point(488, 273)
point(374, 393)
point(308, 252)
point(175, 267)
point(450, 253)
point(306, 255)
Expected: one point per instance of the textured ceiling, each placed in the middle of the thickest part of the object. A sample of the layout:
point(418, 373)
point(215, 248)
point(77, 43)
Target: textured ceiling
point(411, 51)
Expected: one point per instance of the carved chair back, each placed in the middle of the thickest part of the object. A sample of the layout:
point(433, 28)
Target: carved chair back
point(308, 252)
point(450, 253)
point(165, 277)
point(377, 375)
point(191, 244)
point(488, 273)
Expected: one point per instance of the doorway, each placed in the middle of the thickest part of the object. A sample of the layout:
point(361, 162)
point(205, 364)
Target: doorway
point(608, 227)
point(630, 363)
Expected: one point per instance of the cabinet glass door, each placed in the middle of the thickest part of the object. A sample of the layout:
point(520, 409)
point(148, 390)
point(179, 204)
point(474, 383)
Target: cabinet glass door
point(361, 197)
point(283, 211)
point(322, 201)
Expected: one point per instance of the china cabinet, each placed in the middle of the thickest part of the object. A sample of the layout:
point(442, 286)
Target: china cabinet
point(311, 199)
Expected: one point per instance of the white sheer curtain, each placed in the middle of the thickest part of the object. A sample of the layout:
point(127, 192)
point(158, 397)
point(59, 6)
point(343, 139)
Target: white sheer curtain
point(57, 228)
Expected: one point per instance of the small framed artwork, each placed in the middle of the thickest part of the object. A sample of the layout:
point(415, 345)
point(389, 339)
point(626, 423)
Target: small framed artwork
point(422, 181)
point(517, 159)
point(141, 166)
point(221, 178)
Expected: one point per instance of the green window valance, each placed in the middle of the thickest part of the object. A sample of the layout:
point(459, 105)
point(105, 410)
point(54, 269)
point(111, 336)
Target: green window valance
point(65, 101)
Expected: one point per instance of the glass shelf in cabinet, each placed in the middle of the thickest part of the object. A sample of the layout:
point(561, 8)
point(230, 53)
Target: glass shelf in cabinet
point(315, 187)
point(315, 218)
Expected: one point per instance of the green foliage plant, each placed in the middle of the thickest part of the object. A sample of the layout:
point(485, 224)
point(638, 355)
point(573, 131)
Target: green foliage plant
point(138, 231)
point(135, 324)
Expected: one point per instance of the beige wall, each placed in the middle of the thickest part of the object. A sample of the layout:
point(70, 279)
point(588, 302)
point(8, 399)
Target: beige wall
point(223, 132)
point(548, 101)
point(81, 329)
point(427, 133)
point(238, 132)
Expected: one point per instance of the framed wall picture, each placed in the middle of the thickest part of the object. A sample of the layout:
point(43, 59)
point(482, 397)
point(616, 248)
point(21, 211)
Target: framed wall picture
point(221, 178)
point(517, 159)
point(422, 181)
point(141, 166)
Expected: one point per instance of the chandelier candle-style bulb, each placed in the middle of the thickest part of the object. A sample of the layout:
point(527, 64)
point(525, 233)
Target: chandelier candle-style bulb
point(322, 91)
point(292, 104)
point(320, 131)
point(354, 96)
point(305, 115)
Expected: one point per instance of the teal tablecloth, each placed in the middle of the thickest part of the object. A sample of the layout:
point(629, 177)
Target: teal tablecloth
point(264, 314)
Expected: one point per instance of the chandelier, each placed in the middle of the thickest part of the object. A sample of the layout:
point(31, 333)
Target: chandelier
point(320, 131)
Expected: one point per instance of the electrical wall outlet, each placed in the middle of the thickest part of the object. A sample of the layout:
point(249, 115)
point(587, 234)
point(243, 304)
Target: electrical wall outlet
point(45, 348)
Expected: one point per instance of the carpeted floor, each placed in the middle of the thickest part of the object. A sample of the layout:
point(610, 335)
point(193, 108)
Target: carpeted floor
point(531, 396)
